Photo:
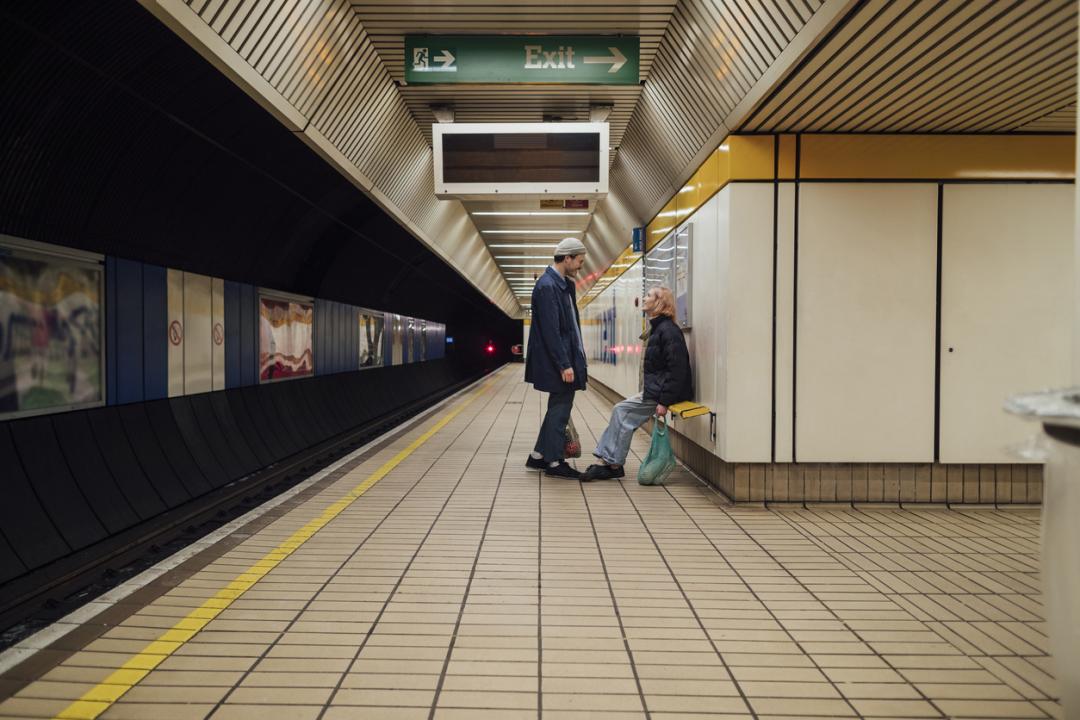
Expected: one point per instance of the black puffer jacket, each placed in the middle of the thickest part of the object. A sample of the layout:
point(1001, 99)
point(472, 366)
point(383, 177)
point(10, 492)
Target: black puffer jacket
point(667, 364)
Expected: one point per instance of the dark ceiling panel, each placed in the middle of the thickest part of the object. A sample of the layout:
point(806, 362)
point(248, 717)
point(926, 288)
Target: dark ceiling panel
point(117, 137)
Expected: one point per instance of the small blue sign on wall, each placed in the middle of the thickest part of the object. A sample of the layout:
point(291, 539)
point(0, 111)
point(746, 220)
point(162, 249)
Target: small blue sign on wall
point(638, 243)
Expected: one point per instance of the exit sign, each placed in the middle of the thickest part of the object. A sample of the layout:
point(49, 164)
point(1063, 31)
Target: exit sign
point(483, 59)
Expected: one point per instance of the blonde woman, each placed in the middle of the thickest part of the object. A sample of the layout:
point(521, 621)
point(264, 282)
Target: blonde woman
point(665, 381)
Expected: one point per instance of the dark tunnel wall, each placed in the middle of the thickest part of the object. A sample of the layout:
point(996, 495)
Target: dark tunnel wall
point(117, 137)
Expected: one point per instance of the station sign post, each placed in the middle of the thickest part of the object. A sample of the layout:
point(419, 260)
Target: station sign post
point(484, 59)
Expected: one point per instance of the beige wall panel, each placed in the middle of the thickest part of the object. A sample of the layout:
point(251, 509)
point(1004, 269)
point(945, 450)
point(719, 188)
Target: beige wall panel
point(1007, 261)
point(702, 338)
point(198, 369)
point(785, 288)
point(175, 302)
point(217, 332)
point(867, 262)
point(749, 351)
point(721, 299)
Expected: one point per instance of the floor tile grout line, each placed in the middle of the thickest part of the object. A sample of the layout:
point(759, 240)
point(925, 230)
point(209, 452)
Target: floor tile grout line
point(539, 595)
point(856, 633)
point(690, 603)
point(322, 478)
point(943, 593)
point(779, 564)
point(102, 696)
point(472, 571)
point(408, 565)
point(798, 529)
point(220, 703)
point(615, 604)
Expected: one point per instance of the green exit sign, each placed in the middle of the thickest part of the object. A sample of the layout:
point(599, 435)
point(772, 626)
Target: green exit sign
point(584, 59)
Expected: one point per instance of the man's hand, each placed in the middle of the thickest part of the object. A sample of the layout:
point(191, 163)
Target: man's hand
point(568, 375)
point(661, 410)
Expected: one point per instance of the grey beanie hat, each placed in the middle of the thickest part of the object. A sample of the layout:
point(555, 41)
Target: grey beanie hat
point(570, 246)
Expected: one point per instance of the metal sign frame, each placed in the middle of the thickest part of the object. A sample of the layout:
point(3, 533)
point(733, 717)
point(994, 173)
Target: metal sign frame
point(493, 191)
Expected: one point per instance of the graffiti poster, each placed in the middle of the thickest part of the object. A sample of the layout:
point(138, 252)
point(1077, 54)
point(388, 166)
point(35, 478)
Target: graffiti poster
point(50, 334)
point(285, 339)
point(371, 340)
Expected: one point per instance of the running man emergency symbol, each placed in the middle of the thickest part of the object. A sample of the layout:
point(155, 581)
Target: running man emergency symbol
point(444, 60)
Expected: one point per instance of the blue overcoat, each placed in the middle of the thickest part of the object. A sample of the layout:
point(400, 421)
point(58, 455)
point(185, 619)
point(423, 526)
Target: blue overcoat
point(554, 337)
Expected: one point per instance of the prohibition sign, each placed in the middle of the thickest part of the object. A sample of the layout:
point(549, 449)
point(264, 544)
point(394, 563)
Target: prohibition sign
point(219, 334)
point(176, 332)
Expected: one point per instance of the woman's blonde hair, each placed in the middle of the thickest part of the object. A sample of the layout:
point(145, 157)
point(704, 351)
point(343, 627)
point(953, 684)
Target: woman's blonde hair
point(665, 301)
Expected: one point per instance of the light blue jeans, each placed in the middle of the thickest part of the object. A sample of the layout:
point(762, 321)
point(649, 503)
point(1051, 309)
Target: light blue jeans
point(626, 417)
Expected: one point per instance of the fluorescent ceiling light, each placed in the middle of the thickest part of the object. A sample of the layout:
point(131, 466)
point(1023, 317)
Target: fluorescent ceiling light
point(522, 257)
point(525, 245)
point(532, 232)
point(523, 213)
point(521, 266)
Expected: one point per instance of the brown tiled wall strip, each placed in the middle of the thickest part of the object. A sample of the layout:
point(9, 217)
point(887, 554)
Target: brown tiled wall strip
point(891, 483)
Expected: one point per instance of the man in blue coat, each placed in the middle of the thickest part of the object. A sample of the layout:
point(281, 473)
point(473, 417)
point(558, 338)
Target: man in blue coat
point(555, 363)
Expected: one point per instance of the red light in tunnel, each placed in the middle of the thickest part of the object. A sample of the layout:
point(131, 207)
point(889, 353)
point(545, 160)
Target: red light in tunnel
point(490, 348)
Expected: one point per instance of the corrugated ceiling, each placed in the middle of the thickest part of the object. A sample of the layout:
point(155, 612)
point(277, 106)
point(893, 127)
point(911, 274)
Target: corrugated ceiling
point(333, 70)
point(919, 66)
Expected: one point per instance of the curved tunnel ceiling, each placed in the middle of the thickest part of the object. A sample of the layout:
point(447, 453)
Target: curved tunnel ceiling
point(116, 137)
point(329, 70)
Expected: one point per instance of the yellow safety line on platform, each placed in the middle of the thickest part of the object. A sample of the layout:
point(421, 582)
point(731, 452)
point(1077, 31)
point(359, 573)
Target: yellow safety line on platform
point(101, 697)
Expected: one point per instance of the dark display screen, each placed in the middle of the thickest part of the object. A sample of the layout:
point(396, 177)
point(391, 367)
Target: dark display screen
point(521, 157)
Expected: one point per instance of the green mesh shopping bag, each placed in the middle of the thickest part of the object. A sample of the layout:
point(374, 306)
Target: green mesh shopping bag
point(660, 460)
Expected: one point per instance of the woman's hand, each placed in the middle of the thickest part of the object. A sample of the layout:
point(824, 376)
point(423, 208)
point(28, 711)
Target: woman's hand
point(661, 410)
point(568, 375)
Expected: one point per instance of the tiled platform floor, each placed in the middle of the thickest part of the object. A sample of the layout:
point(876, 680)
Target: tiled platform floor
point(462, 585)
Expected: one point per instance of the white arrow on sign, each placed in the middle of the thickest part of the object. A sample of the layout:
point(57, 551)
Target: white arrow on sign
point(446, 59)
point(616, 59)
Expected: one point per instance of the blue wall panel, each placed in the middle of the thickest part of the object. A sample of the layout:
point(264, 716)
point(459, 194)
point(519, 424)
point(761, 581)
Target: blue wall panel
point(155, 333)
point(249, 335)
point(110, 330)
point(129, 331)
point(232, 334)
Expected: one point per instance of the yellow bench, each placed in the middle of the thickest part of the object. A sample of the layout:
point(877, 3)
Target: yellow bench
point(691, 409)
point(688, 409)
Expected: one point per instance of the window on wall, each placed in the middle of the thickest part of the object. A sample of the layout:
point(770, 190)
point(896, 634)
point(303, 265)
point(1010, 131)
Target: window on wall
point(285, 338)
point(51, 339)
point(371, 340)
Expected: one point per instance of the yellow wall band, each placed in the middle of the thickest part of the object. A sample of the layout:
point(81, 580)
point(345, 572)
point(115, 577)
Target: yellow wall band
point(938, 157)
point(101, 697)
point(858, 157)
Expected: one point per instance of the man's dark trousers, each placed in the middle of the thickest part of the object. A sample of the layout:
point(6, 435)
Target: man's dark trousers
point(551, 443)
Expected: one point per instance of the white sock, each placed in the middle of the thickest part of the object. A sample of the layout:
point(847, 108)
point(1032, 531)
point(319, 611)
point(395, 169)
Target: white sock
point(553, 464)
point(536, 456)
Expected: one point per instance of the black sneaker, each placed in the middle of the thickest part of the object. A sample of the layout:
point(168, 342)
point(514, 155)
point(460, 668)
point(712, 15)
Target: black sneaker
point(531, 462)
point(562, 470)
point(603, 472)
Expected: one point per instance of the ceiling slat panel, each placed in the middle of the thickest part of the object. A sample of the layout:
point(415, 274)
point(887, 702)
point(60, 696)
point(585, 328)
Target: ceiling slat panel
point(319, 57)
point(948, 81)
point(917, 66)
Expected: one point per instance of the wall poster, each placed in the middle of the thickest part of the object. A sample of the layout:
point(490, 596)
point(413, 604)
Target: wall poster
point(397, 333)
point(285, 338)
point(684, 240)
point(668, 265)
point(371, 339)
point(660, 265)
point(51, 340)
